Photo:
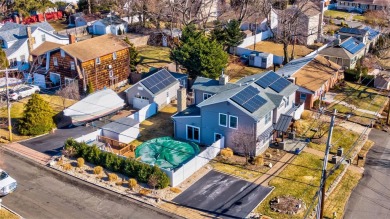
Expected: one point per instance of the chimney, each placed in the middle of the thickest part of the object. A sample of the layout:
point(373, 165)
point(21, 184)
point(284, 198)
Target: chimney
point(72, 38)
point(223, 79)
point(337, 41)
point(30, 43)
point(181, 99)
point(321, 20)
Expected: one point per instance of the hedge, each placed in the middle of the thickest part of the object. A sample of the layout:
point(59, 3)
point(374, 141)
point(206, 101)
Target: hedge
point(127, 166)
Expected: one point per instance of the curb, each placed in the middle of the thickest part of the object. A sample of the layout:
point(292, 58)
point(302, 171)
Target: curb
point(13, 212)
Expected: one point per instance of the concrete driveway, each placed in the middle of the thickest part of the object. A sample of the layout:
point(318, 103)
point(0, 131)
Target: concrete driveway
point(371, 197)
point(223, 195)
point(51, 144)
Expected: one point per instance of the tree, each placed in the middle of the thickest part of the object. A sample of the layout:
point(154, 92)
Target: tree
point(70, 91)
point(199, 55)
point(244, 143)
point(133, 53)
point(234, 36)
point(37, 117)
point(3, 59)
point(90, 88)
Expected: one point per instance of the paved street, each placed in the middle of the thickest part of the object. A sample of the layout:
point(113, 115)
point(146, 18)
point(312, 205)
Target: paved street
point(43, 193)
point(371, 198)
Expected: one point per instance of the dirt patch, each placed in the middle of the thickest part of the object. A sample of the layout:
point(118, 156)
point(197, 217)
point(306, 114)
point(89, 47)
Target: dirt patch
point(287, 205)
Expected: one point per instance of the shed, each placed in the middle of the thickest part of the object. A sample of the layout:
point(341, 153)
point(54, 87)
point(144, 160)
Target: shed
point(262, 60)
point(124, 130)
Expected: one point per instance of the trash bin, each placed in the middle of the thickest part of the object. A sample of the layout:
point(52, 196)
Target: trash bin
point(334, 159)
point(291, 135)
point(340, 151)
point(307, 139)
point(297, 151)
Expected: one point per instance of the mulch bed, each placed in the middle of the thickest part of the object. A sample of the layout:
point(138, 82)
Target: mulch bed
point(287, 205)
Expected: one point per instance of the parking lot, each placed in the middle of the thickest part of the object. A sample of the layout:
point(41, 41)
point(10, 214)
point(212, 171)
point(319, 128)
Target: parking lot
point(223, 195)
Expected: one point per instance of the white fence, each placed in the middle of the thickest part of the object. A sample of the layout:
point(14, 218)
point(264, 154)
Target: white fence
point(90, 136)
point(179, 175)
point(298, 112)
point(256, 38)
point(145, 112)
point(277, 60)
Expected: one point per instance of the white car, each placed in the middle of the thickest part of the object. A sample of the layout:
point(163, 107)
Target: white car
point(23, 91)
point(7, 183)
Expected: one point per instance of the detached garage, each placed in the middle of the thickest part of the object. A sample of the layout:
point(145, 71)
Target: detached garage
point(124, 130)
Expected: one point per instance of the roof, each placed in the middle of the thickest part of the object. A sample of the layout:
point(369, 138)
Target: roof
point(354, 31)
point(370, 2)
point(15, 47)
point(120, 125)
point(311, 9)
point(336, 51)
point(313, 71)
point(352, 45)
point(115, 20)
point(95, 47)
point(372, 33)
point(158, 82)
point(189, 111)
point(45, 47)
point(283, 123)
point(211, 85)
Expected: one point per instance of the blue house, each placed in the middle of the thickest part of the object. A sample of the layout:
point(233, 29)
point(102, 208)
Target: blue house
point(249, 111)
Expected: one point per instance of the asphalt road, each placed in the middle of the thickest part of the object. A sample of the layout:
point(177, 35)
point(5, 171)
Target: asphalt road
point(51, 144)
point(223, 195)
point(44, 193)
point(371, 197)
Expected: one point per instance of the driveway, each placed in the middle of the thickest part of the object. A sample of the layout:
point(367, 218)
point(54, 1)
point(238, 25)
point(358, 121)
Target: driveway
point(45, 193)
point(371, 197)
point(51, 144)
point(223, 195)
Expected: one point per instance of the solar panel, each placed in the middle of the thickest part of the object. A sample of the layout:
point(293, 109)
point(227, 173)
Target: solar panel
point(249, 99)
point(158, 81)
point(352, 45)
point(267, 79)
point(279, 85)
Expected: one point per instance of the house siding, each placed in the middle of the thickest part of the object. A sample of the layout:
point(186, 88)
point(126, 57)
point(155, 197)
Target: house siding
point(199, 95)
point(137, 90)
point(180, 126)
point(162, 100)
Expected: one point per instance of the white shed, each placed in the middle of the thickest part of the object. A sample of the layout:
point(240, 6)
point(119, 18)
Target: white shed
point(124, 130)
point(261, 60)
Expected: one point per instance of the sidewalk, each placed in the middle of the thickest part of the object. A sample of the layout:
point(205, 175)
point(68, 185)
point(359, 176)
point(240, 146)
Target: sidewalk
point(275, 170)
point(28, 152)
point(183, 211)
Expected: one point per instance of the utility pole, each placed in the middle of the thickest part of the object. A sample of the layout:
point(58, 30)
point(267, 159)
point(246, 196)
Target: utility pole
point(388, 113)
point(8, 105)
point(321, 197)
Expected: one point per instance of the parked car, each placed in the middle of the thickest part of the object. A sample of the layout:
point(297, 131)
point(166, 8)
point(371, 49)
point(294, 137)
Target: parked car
point(7, 183)
point(23, 91)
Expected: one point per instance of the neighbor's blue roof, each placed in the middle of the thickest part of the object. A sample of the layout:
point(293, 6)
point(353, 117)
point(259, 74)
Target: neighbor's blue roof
point(372, 33)
point(355, 31)
point(352, 45)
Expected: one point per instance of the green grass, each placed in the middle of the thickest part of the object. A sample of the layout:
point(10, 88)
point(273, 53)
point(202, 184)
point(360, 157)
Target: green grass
point(337, 201)
point(300, 179)
point(343, 14)
point(237, 171)
point(5, 214)
point(153, 56)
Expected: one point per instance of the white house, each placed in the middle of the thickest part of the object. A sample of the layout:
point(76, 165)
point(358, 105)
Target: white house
point(111, 24)
point(18, 40)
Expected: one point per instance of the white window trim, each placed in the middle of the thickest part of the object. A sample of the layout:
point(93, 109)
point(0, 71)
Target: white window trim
point(192, 133)
point(265, 118)
point(219, 119)
point(230, 116)
point(114, 56)
point(209, 95)
point(55, 61)
point(62, 53)
point(215, 136)
point(68, 79)
point(72, 65)
point(97, 60)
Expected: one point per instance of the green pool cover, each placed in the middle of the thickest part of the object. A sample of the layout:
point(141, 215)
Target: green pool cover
point(166, 152)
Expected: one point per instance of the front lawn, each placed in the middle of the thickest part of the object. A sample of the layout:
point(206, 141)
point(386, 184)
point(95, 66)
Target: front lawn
point(299, 179)
point(356, 116)
point(5, 214)
point(277, 49)
point(153, 56)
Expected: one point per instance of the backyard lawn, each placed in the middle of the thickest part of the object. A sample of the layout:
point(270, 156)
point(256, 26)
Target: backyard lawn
point(153, 56)
point(277, 49)
point(343, 14)
point(299, 179)
point(59, 25)
point(236, 69)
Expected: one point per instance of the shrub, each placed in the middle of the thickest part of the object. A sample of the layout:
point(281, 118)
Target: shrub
point(331, 21)
point(132, 183)
point(67, 166)
point(331, 32)
point(175, 190)
point(153, 180)
point(69, 152)
point(227, 152)
point(93, 154)
point(98, 170)
point(259, 161)
point(112, 177)
point(80, 162)
point(119, 183)
point(306, 115)
point(145, 192)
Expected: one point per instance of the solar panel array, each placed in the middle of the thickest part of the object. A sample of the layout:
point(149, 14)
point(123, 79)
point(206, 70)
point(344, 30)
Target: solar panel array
point(249, 99)
point(158, 81)
point(352, 45)
point(274, 81)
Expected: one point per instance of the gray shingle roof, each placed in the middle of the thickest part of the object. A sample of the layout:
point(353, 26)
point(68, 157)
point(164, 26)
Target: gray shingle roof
point(115, 20)
point(190, 111)
point(294, 66)
point(211, 85)
point(12, 31)
point(9, 51)
point(283, 123)
point(120, 125)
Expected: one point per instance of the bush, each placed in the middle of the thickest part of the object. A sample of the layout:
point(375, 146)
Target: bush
point(80, 162)
point(227, 152)
point(153, 180)
point(331, 21)
point(259, 161)
point(67, 166)
point(98, 170)
point(145, 192)
point(132, 183)
point(112, 177)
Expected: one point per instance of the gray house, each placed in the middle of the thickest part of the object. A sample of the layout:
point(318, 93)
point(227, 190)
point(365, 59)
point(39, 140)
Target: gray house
point(245, 111)
point(160, 88)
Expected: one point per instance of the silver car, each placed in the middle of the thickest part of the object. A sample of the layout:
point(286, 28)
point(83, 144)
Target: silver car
point(7, 183)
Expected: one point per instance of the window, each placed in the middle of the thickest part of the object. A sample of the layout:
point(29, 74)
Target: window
point(68, 81)
point(114, 55)
point(72, 66)
point(141, 97)
point(217, 136)
point(111, 73)
point(55, 61)
point(206, 96)
point(62, 53)
point(193, 133)
point(23, 59)
point(288, 101)
point(97, 60)
point(267, 118)
point(302, 96)
point(233, 122)
point(2, 43)
point(223, 120)
point(43, 37)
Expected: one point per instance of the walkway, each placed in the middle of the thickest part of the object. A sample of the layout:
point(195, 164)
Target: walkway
point(28, 152)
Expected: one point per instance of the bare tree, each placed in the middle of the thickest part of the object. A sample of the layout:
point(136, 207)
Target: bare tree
point(70, 91)
point(244, 143)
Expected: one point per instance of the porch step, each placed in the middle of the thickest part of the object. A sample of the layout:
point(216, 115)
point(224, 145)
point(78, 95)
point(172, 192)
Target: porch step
point(29, 153)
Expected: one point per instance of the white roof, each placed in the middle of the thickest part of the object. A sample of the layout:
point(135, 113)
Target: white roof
point(96, 104)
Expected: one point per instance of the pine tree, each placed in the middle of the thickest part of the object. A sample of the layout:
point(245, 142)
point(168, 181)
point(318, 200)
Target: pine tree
point(234, 36)
point(37, 118)
point(199, 55)
point(134, 59)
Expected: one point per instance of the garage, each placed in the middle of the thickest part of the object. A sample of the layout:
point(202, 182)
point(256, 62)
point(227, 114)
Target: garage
point(140, 102)
point(124, 130)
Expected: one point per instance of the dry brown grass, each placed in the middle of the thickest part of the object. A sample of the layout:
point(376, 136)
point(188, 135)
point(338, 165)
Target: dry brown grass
point(132, 183)
point(145, 192)
point(227, 152)
point(112, 177)
point(67, 166)
point(237, 69)
point(363, 152)
point(5, 214)
point(277, 49)
point(175, 190)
